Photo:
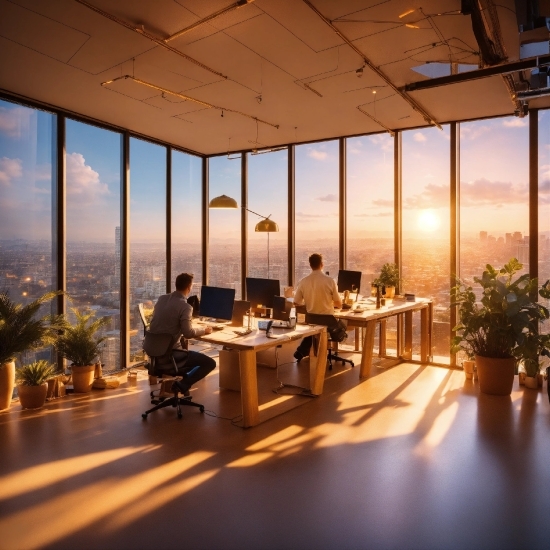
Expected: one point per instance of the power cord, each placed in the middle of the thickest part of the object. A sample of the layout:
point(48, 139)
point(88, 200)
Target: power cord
point(306, 392)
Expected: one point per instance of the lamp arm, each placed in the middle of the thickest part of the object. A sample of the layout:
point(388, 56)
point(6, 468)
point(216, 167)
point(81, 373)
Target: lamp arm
point(259, 215)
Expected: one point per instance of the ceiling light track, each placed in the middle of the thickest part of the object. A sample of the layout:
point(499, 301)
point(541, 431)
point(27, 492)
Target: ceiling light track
point(416, 106)
point(151, 37)
point(390, 131)
point(188, 98)
point(209, 18)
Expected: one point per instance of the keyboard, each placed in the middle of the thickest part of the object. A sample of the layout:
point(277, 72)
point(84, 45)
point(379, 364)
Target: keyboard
point(212, 324)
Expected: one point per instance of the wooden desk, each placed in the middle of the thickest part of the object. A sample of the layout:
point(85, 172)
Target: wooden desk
point(369, 318)
point(248, 345)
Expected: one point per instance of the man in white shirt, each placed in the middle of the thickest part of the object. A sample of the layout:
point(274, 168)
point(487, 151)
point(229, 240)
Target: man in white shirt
point(319, 293)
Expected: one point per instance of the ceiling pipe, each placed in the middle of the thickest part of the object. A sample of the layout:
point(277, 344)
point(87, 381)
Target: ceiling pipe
point(151, 37)
point(209, 18)
point(415, 105)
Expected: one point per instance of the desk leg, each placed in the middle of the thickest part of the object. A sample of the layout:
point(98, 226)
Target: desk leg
point(249, 388)
point(368, 346)
point(425, 335)
point(318, 364)
point(382, 341)
point(357, 337)
point(407, 352)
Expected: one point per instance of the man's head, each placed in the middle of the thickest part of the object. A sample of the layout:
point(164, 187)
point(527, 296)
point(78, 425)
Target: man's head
point(184, 282)
point(316, 261)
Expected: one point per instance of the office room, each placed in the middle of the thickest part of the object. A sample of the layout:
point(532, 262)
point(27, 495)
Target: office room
point(397, 152)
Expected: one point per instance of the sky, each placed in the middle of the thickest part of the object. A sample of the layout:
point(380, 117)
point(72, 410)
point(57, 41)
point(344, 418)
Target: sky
point(493, 168)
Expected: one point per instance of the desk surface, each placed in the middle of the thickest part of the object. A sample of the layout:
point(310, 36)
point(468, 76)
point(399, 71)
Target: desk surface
point(257, 340)
point(370, 312)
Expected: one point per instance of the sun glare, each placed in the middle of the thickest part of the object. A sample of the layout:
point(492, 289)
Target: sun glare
point(428, 221)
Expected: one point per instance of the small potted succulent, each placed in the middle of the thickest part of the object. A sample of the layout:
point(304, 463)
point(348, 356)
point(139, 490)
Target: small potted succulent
point(389, 277)
point(79, 344)
point(21, 329)
point(501, 329)
point(32, 383)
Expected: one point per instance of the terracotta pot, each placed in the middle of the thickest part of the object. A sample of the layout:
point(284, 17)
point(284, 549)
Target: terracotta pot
point(32, 397)
point(83, 378)
point(496, 375)
point(390, 292)
point(468, 367)
point(531, 382)
point(7, 383)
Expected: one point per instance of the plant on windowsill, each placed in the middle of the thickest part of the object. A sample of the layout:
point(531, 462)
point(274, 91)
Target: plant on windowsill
point(21, 329)
point(389, 277)
point(503, 328)
point(78, 344)
point(32, 383)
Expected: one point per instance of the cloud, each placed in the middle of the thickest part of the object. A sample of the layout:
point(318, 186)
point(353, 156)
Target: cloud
point(514, 123)
point(471, 133)
point(10, 169)
point(375, 215)
point(383, 141)
point(420, 137)
point(306, 217)
point(328, 198)
point(544, 172)
point(383, 202)
point(317, 155)
point(82, 180)
point(14, 122)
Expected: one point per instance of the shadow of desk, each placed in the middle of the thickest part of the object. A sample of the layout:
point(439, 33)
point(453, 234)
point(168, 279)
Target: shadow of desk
point(401, 309)
point(247, 347)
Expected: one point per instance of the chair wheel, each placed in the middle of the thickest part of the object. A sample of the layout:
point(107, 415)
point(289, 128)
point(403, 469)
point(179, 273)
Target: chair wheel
point(352, 364)
point(201, 409)
point(144, 416)
point(179, 414)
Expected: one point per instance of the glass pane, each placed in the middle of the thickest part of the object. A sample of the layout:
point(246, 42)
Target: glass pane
point(147, 233)
point(27, 168)
point(370, 205)
point(225, 224)
point(426, 230)
point(317, 206)
point(268, 196)
point(544, 203)
point(93, 218)
point(187, 217)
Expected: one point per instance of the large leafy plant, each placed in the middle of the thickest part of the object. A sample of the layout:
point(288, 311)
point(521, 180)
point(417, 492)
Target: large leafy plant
point(505, 322)
point(389, 275)
point(35, 373)
point(21, 328)
point(78, 342)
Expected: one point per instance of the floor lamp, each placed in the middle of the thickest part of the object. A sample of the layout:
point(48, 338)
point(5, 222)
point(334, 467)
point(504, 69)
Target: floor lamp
point(263, 226)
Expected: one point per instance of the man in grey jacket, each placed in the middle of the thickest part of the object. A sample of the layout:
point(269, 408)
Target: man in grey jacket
point(172, 315)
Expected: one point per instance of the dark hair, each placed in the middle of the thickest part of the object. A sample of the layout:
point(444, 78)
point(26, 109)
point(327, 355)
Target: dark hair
point(183, 280)
point(315, 261)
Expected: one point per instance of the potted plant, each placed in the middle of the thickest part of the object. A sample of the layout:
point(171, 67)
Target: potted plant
point(32, 383)
point(78, 344)
point(20, 330)
point(389, 277)
point(503, 327)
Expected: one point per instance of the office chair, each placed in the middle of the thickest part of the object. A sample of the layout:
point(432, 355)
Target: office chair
point(159, 349)
point(336, 333)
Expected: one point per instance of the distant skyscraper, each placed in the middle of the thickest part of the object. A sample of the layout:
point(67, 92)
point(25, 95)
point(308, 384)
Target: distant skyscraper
point(117, 252)
point(509, 238)
point(517, 236)
point(483, 235)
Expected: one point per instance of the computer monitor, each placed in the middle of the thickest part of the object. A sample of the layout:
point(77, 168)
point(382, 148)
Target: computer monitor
point(217, 302)
point(349, 280)
point(281, 308)
point(262, 291)
point(240, 309)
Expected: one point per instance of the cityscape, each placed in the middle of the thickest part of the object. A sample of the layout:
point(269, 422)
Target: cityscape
point(93, 276)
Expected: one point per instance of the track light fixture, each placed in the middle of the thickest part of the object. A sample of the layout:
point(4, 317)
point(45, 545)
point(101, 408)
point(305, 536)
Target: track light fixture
point(359, 72)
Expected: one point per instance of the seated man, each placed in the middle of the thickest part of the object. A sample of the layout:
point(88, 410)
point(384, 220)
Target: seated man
point(172, 315)
point(318, 292)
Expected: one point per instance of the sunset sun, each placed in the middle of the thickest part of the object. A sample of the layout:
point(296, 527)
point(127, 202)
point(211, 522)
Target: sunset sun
point(428, 221)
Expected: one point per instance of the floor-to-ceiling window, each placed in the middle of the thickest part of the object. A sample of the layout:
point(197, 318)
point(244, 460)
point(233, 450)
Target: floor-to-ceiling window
point(369, 205)
point(544, 202)
point(494, 194)
point(317, 205)
point(268, 196)
point(426, 228)
point(27, 169)
point(186, 217)
point(93, 219)
point(224, 245)
point(147, 231)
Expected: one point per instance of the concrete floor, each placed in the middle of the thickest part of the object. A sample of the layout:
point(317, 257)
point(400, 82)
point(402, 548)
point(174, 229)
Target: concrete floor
point(412, 457)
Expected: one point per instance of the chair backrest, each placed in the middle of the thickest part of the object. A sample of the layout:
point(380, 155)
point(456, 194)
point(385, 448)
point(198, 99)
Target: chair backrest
point(142, 315)
point(157, 345)
point(336, 328)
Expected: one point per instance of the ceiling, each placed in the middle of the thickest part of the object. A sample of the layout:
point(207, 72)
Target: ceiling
point(268, 73)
